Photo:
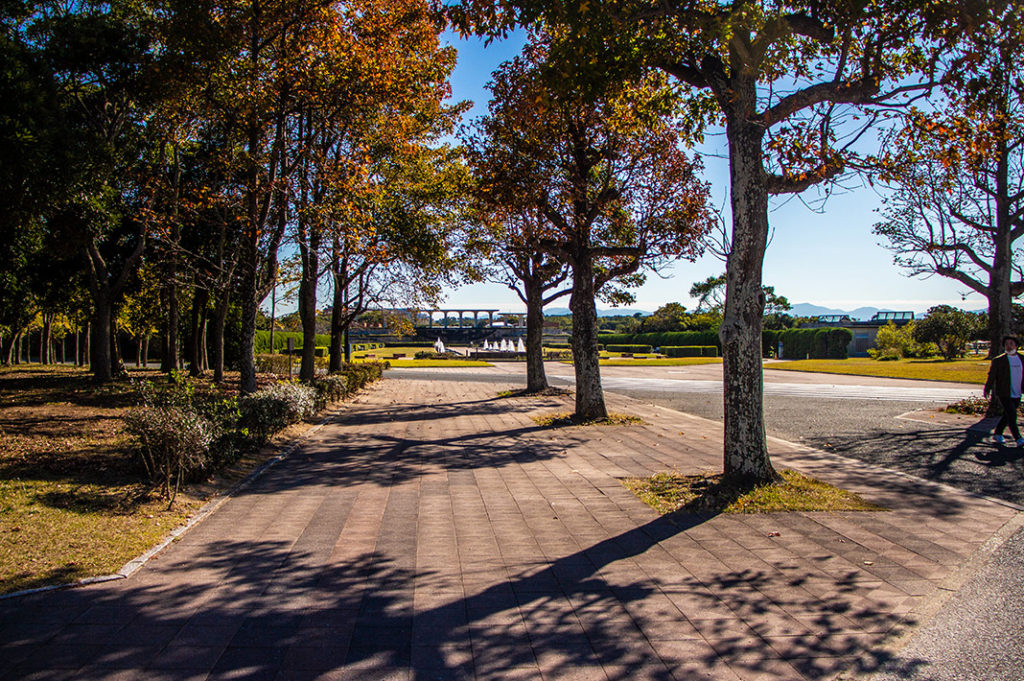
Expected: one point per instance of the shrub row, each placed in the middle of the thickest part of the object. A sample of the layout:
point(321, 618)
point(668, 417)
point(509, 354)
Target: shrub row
point(179, 436)
point(629, 348)
point(281, 341)
point(831, 343)
point(690, 350)
point(663, 338)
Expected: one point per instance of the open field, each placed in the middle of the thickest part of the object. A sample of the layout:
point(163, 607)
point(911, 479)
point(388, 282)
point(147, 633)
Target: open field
point(958, 371)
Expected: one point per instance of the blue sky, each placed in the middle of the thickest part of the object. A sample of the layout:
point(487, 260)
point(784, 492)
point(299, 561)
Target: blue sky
point(828, 258)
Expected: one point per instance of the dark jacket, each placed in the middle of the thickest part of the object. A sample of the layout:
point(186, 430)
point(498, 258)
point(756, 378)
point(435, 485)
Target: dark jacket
point(998, 382)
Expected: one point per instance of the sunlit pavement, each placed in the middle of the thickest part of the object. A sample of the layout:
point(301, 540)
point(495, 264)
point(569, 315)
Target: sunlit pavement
point(434, 531)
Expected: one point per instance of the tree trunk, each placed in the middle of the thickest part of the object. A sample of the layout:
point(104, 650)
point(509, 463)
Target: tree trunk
point(198, 319)
point(220, 316)
point(204, 356)
point(45, 340)
point(746, 449)
point(536, 379)
point(99, 346)
point(307, 309)
point(339, 351)
point(87, 350)
point(145, 351)
point(78, 350)
point(118, 368)
point(138, 351)
point(246, 358)
point(169, 362)
point(7, 349)
point(1000, 298)
point(585, 356)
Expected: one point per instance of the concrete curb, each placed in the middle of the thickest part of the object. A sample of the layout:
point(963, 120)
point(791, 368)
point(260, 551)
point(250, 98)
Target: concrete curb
point(208, 508)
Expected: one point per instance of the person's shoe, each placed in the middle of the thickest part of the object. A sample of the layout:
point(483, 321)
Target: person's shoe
point(999, 439)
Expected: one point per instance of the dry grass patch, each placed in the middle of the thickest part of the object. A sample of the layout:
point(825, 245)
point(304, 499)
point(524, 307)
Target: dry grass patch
point(713, 493)
point(73, 501)
point(956, 371)
point(564, 419)
point(523, 392)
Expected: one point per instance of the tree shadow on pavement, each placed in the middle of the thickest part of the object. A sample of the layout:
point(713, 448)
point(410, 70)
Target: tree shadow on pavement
point(266, 610)
point(955, 456)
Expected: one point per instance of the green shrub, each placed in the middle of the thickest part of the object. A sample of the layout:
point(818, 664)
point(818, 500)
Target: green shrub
point(829, 343)
point(172, 442)
point(770, 342)
point(330, 389)
point(629, 348)
point(281, 341)
point(896, 342)
point(681, 350)
point(274, 364)
point(708, 351)
point(267, 411)
point(662, 338)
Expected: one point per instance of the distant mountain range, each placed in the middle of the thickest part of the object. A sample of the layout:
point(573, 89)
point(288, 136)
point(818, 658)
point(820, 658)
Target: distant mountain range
point(810, 310)
point(799, 310)
point(610, 312)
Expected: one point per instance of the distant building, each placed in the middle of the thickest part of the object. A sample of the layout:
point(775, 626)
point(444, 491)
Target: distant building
point(864, 333)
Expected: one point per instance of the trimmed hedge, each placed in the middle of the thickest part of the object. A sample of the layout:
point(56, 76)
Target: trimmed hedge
point(689, 350)
point(828, 343)
point(629, 348)
point(281, 341)
point(663, 338)
point(770, 342)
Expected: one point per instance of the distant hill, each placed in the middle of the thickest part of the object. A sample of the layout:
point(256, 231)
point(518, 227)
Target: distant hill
point(810, 310)
point(610, 312)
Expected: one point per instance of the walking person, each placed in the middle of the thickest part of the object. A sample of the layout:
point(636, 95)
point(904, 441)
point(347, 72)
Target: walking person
point(1004, 382)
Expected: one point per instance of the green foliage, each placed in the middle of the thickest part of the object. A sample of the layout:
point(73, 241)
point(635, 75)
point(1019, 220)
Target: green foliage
point(637, 348)
point(173, 443)
point(267, 411)
point(898, 342)
point(829, 343)
point(663, 338)
point(323, 340)
point(689, 350)
point(948, 328)
point(279, 365)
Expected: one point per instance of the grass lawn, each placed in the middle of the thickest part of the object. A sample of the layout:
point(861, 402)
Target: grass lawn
point(671, 492)
point(435, 363)
point(71, 505)
point(72, 502)
point(661, 362)
point(408, 362)
point(959, 371)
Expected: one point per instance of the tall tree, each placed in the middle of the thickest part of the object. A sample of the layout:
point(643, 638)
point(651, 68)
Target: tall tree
point(777, 76)
point(957, 174)
point(606, 172)
point(101, 57)
point(513, 244)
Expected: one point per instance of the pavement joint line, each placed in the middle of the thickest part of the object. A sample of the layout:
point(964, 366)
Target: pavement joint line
point(945, 590)
point(852, 461)
point(930, 607)
point(219, 499)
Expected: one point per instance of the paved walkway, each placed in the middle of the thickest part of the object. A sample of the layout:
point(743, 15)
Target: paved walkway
point(433, 531)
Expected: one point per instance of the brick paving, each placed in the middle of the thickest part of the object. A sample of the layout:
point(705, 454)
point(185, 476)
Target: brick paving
point(434, 531)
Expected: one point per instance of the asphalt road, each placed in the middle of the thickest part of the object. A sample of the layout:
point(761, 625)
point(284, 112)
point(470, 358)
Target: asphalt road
point(861, 422)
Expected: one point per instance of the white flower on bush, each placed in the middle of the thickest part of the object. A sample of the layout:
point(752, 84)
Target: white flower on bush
point(300, 400)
